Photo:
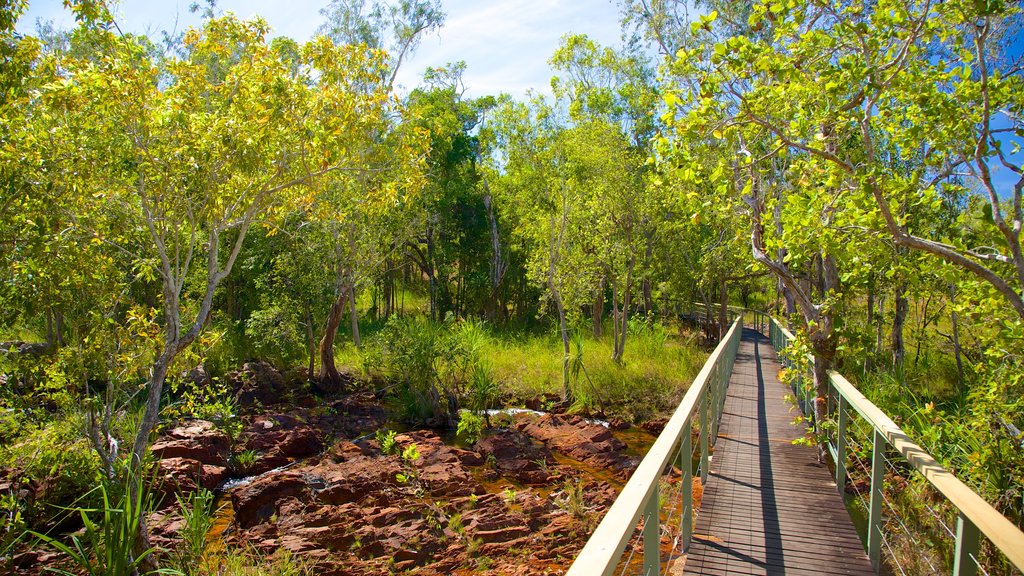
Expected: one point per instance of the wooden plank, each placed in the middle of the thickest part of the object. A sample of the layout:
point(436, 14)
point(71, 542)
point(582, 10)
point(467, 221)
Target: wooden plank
point(769, 507)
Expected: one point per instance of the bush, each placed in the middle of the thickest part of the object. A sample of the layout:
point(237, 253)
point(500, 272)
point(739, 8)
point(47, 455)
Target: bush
point(197, 512)
point(436, 366)
point(59, 458)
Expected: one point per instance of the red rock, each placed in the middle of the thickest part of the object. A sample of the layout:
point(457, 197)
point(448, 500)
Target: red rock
point(519, 457)
point(257, 383)
point(257, 501)
point(195, 440)
point(655, 426)
point(575, 437)
point(439, 466)
point(278, 439)
point(184, 475)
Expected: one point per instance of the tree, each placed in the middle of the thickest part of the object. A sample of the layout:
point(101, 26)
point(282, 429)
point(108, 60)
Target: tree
point(396, 28)
point(609, 95)
point(185, 157)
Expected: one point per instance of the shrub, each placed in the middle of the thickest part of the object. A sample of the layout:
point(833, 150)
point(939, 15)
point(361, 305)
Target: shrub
point(470, 427)
point(436, 366)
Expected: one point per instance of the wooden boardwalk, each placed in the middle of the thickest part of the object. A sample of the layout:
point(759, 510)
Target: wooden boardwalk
point(769, 507)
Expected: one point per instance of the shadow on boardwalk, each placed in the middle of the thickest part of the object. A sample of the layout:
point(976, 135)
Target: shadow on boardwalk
point(769, 507)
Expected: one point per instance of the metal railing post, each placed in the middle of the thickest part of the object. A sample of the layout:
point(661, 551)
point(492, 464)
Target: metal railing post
point(686, 465)
point(844, 418)
point(875, 506)
point(715, 392)
point(966, 547)
point(704, 407)
point(652, 536)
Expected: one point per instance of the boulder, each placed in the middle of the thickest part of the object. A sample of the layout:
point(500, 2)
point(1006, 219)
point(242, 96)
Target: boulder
point(198, 440)
point(257, 383)
point(278, 439)
point(258, 501)
point(579, 439)
point(439, 466)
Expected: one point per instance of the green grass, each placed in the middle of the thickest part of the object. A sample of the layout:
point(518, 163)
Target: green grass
point(528, 364)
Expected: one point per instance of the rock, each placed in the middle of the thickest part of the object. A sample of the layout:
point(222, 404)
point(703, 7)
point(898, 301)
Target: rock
point(439, 466)
point(278, 439)
point(575, 437)
point(351, 416)
point(517, 456)
point(198, 377)
point(194, 440)
point(257, 383)
point(346, 474)
point(327, 386)
point(185, 475)
point(618, 424)
point(655, 426)
point(258, 501)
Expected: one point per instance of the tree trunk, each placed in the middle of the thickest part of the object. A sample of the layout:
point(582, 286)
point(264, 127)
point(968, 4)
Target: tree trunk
point(622, 315)
point(824, 354)
point(879, 320)
point(723, 308)
point(956, 339)
point(429, 266)
point(310, 341)
point(355, 316)
point(498, 264)
point(869, 358)
point(646, 286)
point(329, 378)
point(388, 290)
point(615, 318)
point(898, 322)
point(597, 309)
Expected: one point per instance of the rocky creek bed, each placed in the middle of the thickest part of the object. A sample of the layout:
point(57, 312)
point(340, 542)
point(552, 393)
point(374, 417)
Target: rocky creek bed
point(521, 500)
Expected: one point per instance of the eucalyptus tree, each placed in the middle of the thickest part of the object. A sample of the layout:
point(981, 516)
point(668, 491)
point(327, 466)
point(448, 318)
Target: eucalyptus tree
point(350, 207)
point(190, 155)
point(547, 213)
point(817, 112)
point(394, 27)
point(457, 246)
point(609, 94)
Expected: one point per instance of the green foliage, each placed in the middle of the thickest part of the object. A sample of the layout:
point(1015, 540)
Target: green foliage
point(12, 526)
point(386, 439)
point(274, 334)
point(572, 498)
point(197, 513)
point(410, 454)
point(58, 457)
point(470, 427)
point(243, 461)
point(107, 544)
point(207, 401)
point(435, 365)
point(253, 563)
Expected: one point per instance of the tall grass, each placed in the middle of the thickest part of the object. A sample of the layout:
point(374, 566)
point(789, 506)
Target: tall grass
point(656, 370)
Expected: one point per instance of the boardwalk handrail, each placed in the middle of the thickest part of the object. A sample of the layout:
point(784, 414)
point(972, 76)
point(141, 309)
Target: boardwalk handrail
point(974, 512)
point(704, 399)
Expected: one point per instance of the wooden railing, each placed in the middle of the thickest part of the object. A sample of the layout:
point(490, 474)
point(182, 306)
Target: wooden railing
point(975, 516)
point(639, 499)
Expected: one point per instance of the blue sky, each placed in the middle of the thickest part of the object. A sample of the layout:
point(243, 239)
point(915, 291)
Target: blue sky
point(505, 43)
